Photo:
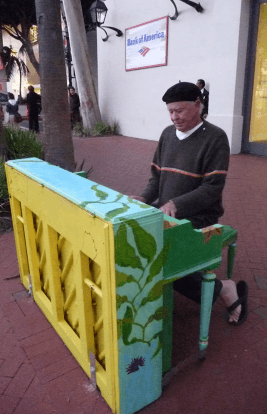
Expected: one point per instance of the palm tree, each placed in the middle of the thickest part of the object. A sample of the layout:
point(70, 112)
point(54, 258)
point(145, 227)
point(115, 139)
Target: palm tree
point(12, 62)
point(16, 18)
point(58, 145)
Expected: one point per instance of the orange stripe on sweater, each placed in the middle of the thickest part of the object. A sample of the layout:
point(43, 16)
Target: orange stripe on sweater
point(186, 172)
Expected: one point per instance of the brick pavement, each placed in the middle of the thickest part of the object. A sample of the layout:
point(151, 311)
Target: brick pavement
point(38, 375)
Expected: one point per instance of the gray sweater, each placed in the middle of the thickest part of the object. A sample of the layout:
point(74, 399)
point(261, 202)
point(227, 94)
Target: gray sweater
point(191, 173)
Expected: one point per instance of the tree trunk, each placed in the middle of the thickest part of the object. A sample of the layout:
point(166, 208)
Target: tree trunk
point(82, 63)
point(28, 46)
point(3, 144)
point(58, 145)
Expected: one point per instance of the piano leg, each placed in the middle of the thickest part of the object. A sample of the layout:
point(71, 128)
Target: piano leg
point(205, 311)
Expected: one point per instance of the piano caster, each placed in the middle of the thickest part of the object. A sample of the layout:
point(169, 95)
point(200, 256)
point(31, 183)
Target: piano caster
point(202, 355)
point(202, 350)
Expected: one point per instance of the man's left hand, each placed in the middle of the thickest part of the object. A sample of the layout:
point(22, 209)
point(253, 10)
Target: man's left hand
point(169, 209)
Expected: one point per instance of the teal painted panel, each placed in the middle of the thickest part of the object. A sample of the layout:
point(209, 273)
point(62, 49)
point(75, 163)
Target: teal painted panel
point(99, 200)
point(140, 311)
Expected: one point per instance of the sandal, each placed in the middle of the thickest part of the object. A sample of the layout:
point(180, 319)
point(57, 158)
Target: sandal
point(242, 291)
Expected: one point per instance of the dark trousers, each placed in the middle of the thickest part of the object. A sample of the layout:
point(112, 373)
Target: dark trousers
point(33, 122)
point(190, 287)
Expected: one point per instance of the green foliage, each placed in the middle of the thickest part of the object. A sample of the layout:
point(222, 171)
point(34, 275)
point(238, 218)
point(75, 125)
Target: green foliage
point(78, 129)
point(102, 128)
point(3, 182)
point(22, 144)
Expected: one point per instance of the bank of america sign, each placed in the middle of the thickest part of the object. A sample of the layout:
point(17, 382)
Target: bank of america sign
point(146, 44)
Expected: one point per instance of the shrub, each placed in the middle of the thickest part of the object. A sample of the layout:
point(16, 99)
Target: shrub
point(3, 183)
point(102, 128)
point(22, 144)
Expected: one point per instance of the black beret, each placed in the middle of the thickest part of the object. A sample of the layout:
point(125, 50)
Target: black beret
point(182, 91)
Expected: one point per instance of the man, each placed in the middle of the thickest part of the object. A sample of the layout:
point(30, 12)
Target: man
point(188, 175)
point(205, 97)
point(33, 102)
point(74, 106)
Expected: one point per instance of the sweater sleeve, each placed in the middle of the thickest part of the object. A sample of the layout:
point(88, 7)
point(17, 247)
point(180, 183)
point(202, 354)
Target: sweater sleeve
point(215, 167)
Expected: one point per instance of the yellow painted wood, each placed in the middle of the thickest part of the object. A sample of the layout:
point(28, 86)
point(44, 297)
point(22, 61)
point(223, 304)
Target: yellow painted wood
point(71, 263)
point(20, 241)
point(53, 272)
point(258, 122)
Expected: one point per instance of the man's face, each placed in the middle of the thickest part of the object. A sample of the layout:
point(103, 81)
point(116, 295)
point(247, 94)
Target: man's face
point(199, 85)
point(72, 91)
point(184, 115)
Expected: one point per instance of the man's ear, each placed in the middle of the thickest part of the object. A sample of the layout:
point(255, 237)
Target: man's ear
point(198, 102)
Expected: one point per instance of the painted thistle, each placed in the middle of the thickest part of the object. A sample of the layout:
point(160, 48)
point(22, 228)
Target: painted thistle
point(135, 364)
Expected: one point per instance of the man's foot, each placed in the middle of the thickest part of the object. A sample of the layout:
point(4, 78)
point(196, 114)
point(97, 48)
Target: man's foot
point(229, 296)
point(242, 292)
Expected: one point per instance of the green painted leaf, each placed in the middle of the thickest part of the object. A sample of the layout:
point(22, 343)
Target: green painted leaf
point(117, 211)
point(122, 278)
point(161, 313)
point(100, 194)
point(124, 253)
point(120, 300)
point(145, 243)
point(150, 319)
point(84, 204)
point(159, 262)
point(141, 205)
point(135, 340)
point(118, 198)
point(127, 324)
point(154, 293)
point(119, 328)
point(158, 335)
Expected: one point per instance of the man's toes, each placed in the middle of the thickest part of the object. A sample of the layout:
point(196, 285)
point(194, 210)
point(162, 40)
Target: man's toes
point(234, 317)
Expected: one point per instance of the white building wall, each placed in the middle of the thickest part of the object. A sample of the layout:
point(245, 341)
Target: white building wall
point(209, 45)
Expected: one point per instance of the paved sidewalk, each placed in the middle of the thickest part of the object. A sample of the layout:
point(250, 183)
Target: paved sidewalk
point(38, 375)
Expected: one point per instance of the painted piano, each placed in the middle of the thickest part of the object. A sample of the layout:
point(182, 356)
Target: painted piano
point(100, 265)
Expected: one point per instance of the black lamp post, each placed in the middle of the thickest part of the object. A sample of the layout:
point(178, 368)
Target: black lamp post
point(196, 6)
point(95, 17)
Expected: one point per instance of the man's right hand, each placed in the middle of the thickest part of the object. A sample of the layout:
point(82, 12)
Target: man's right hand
point(138, 198)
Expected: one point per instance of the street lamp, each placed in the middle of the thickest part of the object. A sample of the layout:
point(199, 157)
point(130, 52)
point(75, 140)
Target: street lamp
point(196, 6)
point(95, 17)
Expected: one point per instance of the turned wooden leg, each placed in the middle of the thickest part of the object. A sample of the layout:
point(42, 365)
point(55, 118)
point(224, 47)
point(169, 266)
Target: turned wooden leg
point(206, 305)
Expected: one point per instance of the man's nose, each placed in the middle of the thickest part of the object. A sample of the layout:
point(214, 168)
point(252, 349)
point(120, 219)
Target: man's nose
point(174, 116)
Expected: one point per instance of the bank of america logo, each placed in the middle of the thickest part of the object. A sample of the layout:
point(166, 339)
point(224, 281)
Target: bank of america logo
point(144, 50)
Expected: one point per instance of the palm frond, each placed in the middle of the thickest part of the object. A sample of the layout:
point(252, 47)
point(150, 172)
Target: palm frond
point(12, 62)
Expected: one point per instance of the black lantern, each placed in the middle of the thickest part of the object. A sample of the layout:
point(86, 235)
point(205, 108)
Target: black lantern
point(98, 12)
point(95, 17)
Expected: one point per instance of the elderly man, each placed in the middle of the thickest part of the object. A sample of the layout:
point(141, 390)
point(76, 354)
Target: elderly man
point(187, 178)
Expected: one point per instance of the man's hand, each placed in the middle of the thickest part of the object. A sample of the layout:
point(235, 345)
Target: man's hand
point(138, 198)
point(169, 209)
